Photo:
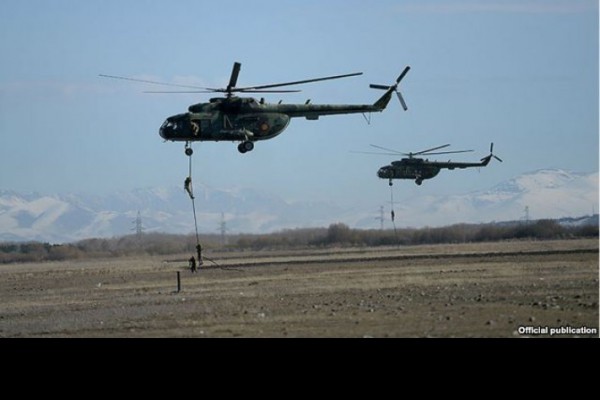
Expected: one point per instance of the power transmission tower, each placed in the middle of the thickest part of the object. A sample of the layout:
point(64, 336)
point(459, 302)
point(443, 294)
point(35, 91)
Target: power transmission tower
point(223, 229)
point(139, 228)
point(380, 218)
point(526, 215)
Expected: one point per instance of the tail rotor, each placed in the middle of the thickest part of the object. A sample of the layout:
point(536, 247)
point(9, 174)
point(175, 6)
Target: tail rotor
point(394, 88)
point(491, 154)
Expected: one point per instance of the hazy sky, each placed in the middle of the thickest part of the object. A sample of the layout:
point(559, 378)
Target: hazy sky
point(520, 73)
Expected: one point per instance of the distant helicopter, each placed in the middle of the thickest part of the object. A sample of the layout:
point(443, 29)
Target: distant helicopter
point(246, 120)
point(420, 169)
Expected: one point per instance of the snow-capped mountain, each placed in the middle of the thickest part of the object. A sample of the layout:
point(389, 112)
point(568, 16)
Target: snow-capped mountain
point(72, 217)
point(547, 193)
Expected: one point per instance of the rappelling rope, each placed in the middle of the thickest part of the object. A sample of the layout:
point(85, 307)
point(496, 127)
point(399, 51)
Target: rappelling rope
point(189, 189)
point(393, 214)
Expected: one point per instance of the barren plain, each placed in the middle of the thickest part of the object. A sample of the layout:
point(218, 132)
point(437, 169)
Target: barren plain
point(505, 289)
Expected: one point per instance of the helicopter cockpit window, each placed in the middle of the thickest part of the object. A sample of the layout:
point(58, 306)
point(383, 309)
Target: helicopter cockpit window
point(168, 128)
point(170, 124)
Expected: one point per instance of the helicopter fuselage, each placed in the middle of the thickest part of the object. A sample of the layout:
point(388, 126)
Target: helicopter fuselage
point(246, 119)
point(420, 169)
point(409, 168)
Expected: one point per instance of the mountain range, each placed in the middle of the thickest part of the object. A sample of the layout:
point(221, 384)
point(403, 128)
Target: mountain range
point(542, 194)
point(62, 218)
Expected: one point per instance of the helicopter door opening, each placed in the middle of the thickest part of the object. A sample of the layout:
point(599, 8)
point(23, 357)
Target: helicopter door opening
point(200, 126)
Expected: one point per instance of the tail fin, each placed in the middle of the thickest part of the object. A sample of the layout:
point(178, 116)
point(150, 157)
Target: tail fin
point(385, 99)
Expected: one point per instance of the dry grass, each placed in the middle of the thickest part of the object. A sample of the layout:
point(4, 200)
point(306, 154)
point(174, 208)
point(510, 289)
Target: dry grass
point(471, 290)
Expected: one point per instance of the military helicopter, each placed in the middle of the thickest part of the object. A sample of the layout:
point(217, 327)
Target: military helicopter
point(246, 120)
point(420, 169)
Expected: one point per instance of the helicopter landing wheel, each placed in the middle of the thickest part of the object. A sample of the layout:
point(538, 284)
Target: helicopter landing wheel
point(188, 149)
point(419, 181)
point(245, 147)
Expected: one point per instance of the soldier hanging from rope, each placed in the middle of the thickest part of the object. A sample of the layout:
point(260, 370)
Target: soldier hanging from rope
point(188, 188)
point(393, 214)
point(187, 185)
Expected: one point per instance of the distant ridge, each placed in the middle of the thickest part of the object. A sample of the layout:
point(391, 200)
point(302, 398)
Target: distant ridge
point(61, 218)
point(543, 194)
point(568, 222)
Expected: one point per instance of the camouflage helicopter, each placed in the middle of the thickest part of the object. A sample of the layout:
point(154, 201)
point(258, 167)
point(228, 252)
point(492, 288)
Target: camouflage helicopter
point(420, 169)
point(247, 120)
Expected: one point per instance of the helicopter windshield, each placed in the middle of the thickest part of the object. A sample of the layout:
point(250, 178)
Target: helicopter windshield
point(172, 127)
point(169, 124)
point(384, 172)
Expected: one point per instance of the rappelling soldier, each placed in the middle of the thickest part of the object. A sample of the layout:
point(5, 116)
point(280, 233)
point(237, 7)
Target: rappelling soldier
point(192, 262)
point(187, 186)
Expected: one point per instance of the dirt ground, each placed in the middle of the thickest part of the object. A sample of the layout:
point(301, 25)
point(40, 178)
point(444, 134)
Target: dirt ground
point(507, 289)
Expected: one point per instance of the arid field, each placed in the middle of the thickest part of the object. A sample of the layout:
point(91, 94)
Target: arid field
point(506, 289)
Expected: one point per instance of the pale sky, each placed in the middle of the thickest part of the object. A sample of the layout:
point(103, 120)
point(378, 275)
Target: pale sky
point(520, 73)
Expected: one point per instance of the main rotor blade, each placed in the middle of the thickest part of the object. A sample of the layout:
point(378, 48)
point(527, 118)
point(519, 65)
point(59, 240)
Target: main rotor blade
point(294, 83)
point(221, 91)
point(235, 72)
point(448, 152)
point(371, 152)
point(177, 91)
point(386, 149)
point(151, 82)
point(267, 91)
point(432, 149)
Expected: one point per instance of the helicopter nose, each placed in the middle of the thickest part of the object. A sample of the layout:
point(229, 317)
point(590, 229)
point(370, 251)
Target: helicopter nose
point(167, 129)
point(385, 172)
point(163, 130)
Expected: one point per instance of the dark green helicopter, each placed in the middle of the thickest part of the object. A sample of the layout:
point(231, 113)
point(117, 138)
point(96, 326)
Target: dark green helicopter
point(247, 120)
point(420, 169)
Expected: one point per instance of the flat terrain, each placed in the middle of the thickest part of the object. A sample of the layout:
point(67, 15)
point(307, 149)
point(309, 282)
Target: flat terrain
point(470, 290)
